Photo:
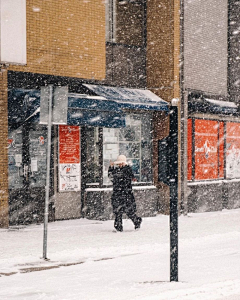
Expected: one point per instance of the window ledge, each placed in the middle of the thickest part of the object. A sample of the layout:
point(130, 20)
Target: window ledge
point(217, 181)
point(142, 187)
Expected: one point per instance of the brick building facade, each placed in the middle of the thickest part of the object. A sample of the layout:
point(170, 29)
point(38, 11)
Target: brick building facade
point(67, 45)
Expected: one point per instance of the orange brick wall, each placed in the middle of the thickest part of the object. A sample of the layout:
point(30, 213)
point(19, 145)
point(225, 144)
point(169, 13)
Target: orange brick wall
point(65, 38)
point(3, 150)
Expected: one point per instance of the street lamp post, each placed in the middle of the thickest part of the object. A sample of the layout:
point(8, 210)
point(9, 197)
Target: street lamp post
point(173, 185)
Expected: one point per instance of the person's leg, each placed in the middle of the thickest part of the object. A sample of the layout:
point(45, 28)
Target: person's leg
point(118, 221)
point(135, 219)
point(138, 222)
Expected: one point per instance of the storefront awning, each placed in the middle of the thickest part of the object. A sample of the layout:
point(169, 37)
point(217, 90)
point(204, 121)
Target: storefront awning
point(105, 109)
point(212, 106)
point(24, 105)
point(94, 111)
point(130, 98)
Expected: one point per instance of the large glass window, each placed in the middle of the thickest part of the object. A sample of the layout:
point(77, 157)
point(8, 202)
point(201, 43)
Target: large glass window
point(135, 142)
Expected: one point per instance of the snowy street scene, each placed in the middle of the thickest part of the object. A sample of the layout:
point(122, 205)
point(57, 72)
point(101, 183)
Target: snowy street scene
point(88, 261)
point(120, 150)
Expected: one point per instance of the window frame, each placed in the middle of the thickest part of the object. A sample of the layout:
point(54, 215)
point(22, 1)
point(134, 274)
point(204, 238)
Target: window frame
point(111, 20)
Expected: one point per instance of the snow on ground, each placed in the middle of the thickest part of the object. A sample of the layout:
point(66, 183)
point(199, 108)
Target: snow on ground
point(88, 261)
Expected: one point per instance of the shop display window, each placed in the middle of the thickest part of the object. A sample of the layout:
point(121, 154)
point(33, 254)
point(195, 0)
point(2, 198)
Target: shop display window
point(232, 150)
point(135, 142)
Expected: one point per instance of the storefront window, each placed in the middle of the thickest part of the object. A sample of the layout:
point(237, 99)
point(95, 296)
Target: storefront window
point(135, 142)
point(233, 150)
point(15, 166)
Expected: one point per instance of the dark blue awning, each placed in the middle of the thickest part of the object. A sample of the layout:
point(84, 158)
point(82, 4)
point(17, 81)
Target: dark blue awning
point(24, 105)
point(94, 111)
point(92, 103)
point(105, 109)
point(130, 98)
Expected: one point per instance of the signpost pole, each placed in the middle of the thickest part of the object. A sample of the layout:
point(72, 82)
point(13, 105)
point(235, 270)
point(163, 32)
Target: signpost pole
point(48, 171)
point(173, 184)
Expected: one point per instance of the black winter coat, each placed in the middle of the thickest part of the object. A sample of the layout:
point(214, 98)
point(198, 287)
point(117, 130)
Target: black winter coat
point(122, 197)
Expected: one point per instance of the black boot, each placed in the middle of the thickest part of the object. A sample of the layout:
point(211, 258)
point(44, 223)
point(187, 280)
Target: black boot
point(138, 223)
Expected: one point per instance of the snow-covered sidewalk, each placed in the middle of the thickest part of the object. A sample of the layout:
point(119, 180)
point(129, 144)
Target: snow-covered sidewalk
point(88, 261)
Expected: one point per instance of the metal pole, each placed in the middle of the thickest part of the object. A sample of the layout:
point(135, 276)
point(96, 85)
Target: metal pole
point(48, 172)
point(173, 184)
point(184, 118)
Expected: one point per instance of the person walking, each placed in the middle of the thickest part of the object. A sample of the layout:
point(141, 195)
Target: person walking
point(121, 175)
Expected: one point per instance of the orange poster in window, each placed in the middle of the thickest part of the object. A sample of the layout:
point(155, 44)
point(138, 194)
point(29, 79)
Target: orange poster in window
point(206, 149)
point(69, 144)
point(233, 150)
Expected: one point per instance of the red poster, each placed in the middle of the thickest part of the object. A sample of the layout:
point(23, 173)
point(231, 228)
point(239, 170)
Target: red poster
point(189, 176)
point(206, 149)
point(69, 144)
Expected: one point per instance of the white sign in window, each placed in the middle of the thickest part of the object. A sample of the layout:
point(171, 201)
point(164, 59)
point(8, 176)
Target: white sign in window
point(69, 177)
